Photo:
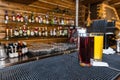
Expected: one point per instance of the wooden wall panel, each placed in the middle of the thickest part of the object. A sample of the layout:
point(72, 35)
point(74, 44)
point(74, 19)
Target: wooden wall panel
point(38, 7)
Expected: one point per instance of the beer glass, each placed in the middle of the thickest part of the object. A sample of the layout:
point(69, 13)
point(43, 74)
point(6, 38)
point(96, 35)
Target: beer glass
point(86, 48)
point(98, 46)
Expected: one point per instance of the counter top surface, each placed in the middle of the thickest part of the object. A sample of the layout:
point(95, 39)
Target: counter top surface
point(62, 67)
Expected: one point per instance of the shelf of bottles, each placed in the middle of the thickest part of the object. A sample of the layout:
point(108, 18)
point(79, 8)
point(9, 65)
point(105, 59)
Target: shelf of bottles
point(36, 25)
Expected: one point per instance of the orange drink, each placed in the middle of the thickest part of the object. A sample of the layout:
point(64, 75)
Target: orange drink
point(98, 47)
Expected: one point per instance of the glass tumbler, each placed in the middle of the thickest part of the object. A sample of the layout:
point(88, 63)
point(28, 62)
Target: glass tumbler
point(86, 48)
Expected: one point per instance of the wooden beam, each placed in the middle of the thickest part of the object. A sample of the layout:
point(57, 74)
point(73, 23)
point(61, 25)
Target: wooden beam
point(58, 3)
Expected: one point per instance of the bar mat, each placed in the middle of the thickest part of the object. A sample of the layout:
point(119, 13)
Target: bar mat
point(112, 60)
point(63, 67)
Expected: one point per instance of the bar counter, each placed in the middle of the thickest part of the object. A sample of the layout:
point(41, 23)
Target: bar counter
point(60, 66)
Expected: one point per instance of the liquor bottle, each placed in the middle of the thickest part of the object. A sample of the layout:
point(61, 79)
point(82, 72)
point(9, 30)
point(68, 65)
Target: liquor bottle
point(32, 32)
point(20, 32)
point(46, 32)
point(65, 22)
point(51, 32)
point(15, 52)
point(13, 16)
point(26, 18)
point(24, 31)
point(36, 31)
point(40, 19)
point(55, 20)
point(58, 32)
point(44, 20)
point(62, 21)
point(43, 32)
point(18, 17)
point(29, 19)
point(19, 48)
point(36, 19)
point(21, 17)
point(24, 48)
point(54, 32)
point(11, 32)
point(16, 32)
point(28, 32)
point(32, 17)
point(40, 32)
point(52, 20)
point(47, 19)
point(7, 34)
point(10, 52)
point(6, 17)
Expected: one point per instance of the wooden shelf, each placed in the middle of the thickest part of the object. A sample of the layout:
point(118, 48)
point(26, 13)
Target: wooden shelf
point(37, 39)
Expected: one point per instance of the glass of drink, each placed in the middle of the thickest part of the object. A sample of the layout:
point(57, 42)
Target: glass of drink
point(98, 46)
point(86, 48)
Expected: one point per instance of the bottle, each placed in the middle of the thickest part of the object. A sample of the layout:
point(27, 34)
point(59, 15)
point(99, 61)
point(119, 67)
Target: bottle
point(20, 32)
point(13, 16)
point(36, 31)
point(18, 17)
point(7, 33)
point(10, 52)
point(44, 20)
point(21, 18)
point(19, 48)
point(40, 19)
point(40, 32)
point(16, 32)
point(46, 32)
point(32, 33)
point(11, 32)
point(32, 17)
point(43, 32)
point(6, 17)
point(52, 20)
point(62, 21)
point(28, 32)
point(29, 19)
point(26, 18)
point(58, 32)
point(24, 31)
point(51, 32)
point(36, 19)
point(55, 20)
point(24, 48)
point(47, 19)
point(54, 32)
point(15, 50)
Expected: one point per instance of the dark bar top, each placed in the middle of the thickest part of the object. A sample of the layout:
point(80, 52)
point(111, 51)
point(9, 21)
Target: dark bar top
point(29, 57)
point(62, 67)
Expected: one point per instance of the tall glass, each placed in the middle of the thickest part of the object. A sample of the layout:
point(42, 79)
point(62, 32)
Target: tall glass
point(86, 48)
point(98, 46)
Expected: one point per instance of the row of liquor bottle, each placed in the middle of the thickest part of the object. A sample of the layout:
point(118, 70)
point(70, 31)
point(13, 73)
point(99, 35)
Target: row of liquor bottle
point(32, 18)
point(25, 31)
point(16, 49)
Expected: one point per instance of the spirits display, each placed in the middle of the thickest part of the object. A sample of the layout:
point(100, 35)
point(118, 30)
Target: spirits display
point(42, 19)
